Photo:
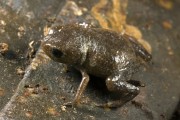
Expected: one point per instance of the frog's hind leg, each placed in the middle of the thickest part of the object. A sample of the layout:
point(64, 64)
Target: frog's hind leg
point(118, 84)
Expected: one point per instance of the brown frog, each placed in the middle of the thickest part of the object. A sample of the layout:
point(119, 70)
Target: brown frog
point(99, 52)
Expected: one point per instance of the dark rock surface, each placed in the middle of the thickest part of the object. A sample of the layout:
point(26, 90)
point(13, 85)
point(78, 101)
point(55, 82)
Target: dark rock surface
point(46, 85)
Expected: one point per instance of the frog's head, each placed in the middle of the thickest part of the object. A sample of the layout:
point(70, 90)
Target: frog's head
point(61, 46)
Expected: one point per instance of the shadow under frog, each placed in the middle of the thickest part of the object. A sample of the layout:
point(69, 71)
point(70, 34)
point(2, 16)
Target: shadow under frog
point(100, 52)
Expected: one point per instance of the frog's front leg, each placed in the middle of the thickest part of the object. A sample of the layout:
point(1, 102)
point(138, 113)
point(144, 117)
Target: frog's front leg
point(117, 83)
point(82, 86)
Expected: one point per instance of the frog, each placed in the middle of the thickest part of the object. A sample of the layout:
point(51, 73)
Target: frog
point(100, 52)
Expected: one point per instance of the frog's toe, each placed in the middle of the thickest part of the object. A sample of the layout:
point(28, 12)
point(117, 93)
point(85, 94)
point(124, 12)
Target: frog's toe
point(72, 104)
point(113, 104)
point(100, 105)
point(68, 104)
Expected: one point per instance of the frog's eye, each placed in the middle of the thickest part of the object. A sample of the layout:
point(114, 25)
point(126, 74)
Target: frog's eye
point(57, 53)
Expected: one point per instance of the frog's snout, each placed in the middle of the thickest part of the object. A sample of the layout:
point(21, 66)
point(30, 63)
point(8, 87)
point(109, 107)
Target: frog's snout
point(46, 48)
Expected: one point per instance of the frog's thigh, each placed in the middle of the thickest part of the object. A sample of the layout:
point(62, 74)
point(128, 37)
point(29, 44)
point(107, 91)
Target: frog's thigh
point(117, 83)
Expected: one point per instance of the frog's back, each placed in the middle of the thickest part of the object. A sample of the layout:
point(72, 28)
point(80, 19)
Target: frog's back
point(114, 41)
point(111, 40)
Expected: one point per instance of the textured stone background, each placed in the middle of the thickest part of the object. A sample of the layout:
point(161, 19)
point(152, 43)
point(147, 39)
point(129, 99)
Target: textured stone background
point(46, 85)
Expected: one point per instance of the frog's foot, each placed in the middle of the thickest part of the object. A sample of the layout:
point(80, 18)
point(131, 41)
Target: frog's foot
point(68, 104)
point(136, 83)
point(71, 104)
point(105, 105)
point(118, 84)
point(116, 103)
